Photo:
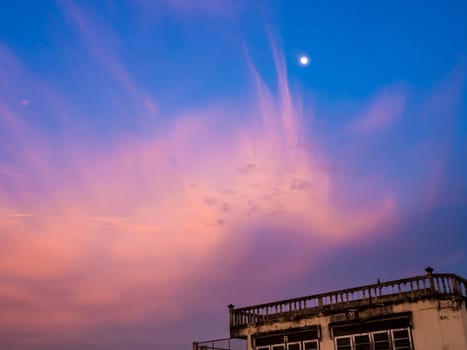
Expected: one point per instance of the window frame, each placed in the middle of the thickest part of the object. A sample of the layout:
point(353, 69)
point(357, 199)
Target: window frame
point(311, 341)
point(344, 336)
point(389, 332)
point(295, 343)
point(277, 345)
point(285, 346)
point(368, 336)
point(409, 337)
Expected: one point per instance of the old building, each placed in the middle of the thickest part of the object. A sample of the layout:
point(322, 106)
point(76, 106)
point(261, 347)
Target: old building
point(426, 312)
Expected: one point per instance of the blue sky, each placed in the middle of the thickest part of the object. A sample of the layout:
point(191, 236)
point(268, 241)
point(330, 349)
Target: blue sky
point(162, 159)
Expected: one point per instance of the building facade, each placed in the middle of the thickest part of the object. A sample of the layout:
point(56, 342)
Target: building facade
point(426, 312)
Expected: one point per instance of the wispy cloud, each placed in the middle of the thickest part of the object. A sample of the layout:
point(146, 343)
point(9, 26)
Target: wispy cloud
point(386, 108)
point(99, 39)
point(206, 7)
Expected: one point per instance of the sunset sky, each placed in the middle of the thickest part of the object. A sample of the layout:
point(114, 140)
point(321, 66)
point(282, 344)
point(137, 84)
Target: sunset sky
point(161, 159)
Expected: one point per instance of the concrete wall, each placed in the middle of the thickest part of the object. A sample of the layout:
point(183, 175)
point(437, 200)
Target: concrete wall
point(439, 325)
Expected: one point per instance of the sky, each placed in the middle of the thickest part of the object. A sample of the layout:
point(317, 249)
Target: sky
point(162, 159)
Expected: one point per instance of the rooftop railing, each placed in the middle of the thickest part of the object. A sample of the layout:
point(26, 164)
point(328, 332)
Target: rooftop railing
point(407, 289)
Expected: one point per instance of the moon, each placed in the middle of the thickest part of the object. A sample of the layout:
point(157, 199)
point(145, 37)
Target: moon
point(304, 60)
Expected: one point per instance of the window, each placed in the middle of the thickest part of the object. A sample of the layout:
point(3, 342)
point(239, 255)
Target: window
point(396, 339)
point(293, 346)
point(381, 341)
point(401, 339)
point(292, 339)
point(344, 343)
point(278, 347)
point(310, 345)
point(362, 342)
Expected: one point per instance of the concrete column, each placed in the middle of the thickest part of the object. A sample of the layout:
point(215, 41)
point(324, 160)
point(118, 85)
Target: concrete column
point(249, 341)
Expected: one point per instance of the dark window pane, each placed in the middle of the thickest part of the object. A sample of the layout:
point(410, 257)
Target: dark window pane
point(381, 336)
point(343, 344)
point(381, 341)
point(382, 346)
point(311, 345)
point(404, 333)
point(402, 342)
point(362, 342)
point(401, 339)
point(343, 341)
point(293, 346)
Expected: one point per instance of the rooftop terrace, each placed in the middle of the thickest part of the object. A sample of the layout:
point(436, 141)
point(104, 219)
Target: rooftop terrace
point(440, 286)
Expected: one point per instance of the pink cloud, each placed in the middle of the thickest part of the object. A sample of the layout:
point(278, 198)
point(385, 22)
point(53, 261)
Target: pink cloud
point(120, 233)
point(132, 221)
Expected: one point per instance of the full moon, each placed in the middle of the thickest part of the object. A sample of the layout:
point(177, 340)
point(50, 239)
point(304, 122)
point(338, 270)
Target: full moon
point(304, 60)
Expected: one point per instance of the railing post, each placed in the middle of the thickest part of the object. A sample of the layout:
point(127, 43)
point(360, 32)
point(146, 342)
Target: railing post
point(455, 287)
point(231, 315)
point(429, 271)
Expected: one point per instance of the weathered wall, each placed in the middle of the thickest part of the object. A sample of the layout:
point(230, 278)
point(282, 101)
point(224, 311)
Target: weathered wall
point(439, 325)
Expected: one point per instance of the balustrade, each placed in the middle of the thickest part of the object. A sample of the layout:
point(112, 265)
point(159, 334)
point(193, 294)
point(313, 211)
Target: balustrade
point(398, 290)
